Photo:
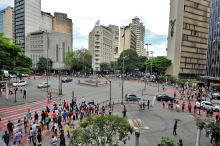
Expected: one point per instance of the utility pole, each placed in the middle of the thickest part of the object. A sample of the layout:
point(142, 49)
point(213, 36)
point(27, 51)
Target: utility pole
point(152, 60)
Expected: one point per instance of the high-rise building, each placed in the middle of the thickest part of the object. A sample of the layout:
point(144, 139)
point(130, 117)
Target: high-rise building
point(63, 24)
point(58, 44)
point(188, 37)
point(101, 45)
point(7, 22)
point(115, 30)
point(127, 41)
point(139, 30)
point(29, 18)
point(213, 52)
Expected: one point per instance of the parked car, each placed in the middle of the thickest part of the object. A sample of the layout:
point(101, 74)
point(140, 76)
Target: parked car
point(24, 75)
point(216, 95)
point(43, 85)
point(131, 97)
point(20, 83)
point(12, 76)
point(42, 75)
point(165, 97)
point(66, 80)
point(30, 74)
point(208, 105)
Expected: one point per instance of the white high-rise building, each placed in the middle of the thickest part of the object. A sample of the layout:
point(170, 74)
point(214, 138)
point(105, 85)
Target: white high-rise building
point(139, 30)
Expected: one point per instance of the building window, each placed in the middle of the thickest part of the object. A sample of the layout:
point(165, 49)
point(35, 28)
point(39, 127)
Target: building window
point(57, 53)
point(63, 46)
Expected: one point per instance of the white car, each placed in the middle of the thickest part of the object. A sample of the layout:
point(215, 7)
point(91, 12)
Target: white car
point(20, 83)
point(216, 95)
point(208, 105)
point(44, 84)
point(24, 75)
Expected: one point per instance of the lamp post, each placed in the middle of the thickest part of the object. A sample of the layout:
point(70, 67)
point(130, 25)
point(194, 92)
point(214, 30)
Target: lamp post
point(146, 63)
point(83, 63)
point(47, 57)
point(123, 62)
point(114, 65)
point(152, 52)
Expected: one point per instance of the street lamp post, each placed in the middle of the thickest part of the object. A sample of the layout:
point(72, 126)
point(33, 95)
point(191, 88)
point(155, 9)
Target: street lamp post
point(114, 65)
point(47, 57)
point(123, 62)
point(146, 62)
point(151, 61)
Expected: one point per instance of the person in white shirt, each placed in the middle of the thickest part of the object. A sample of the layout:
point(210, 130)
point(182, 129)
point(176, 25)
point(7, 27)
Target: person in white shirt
point(169, 103)
point(83, 99)
point(56, 127)
point(54, 140)
point(57, 111)
point(140, 103)
point(34, 126)
point(203, 105)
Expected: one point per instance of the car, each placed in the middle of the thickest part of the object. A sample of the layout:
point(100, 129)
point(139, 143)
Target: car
point(66, 80)
point(43, 85)
point(132, 97)
point(208, 105)
point(42, 75)
point(12, 76)
point(30, 73)
point(24, 75)
point(165, 97)
point(216, 95)
point(20, 83)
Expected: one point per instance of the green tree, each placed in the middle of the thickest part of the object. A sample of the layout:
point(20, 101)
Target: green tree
point(168, 141)
point(21, 70)
point(172, 79)
point(213, 127)
point(130, 60)
point(23, 61)
point(105, 66)
point(159, 65)
point(179, 81)
point(162, 78)
point(42, 63)
point(101, 130)
point(10, 54)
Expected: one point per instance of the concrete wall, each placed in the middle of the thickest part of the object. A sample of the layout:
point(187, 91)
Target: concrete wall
point(46, 21)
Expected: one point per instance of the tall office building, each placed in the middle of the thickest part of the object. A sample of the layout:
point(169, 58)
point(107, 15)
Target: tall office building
point(7, 22)
point(213, 52)
point(139, 30)
point(115, 30)
point(63, 24)
point(188, 37)
point(101, 45)
point(128, 41)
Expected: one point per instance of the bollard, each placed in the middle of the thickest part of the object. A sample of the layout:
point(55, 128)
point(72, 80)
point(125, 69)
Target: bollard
point(78, 81)
point(96, 84)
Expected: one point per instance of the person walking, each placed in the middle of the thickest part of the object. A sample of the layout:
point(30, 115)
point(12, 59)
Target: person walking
point(47, 121)
point(20, 124)
point(190, 106)
point(195, 107)
point(18, 137)
point(183, 106)
point(211, 112)
point(174, 128)
point(36, 117)
point(10, 127)
point(10, 91)
point(29, 116)
point(31, 136)
point(175, 94)
point(75, 101)
point(48, 97)
point(6, 138)
point(124, 112)
point(43, 116)
point(140, 103)
point(59, 119)
point(211, 98)
point(83, 100)
point(148, 104)
point(68, 129)
point(163, 87)
point(24, 96)
point(207, 112)
point(143, 104)
point(171, 105)
point(163, 104)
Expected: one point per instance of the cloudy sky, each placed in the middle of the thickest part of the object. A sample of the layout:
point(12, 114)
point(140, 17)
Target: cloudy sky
point(84, 13)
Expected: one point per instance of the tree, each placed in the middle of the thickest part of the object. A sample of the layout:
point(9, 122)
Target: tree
point(23, 61)
point(42, 63)
point(168, 141)
point(162, 78)
point(130, 60)
point(105, 66)
point(102, 130)
point(172, 79)
point(21, 70)
point(8, 53)
point(159, 65)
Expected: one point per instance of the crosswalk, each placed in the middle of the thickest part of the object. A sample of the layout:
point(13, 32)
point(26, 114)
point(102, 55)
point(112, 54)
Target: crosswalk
point(15, 113)
point(202, 112)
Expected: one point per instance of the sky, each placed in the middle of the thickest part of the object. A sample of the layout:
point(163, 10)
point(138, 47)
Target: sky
point(84, 13)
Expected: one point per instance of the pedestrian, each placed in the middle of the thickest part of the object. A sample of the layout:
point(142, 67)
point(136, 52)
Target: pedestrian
point(50, 96)
point(124, 112)
point(31, 133)
point(54, 140)
point(163, 104)
point(183, 106)
point(188, 97)
point(61, 102)
point(62, 140)
point(68, 129)
point(211, 98)
point(195, 107)
point(10, 127)
point(112, 110)
point(175, 94)
point(144, 105)
point(60, 108)
point(64, 104)
point(140, 103)
point(163, 87)
point(171, 105)
point(47, 121)
point(211, 138)
point(184, 97)
point(207, 112)
point(174, 128)
point(24, 96)
point(73, 121)
point(10, 91)
point(43, 116)
point(6, 138)
point(148, 104)
point(34, 77)
point(56, 127)
point(59, 119)
point(20, 124)
point(190, 106)
point(36, 117)
point(29, 116)
point(203, 105)
point(54, 116)
point(39, 139)
point(83, 100)
point(64, 116)
point(211, 112)
point(75, 100)
point(18, 137)
point(180, 142)
point(25, 124)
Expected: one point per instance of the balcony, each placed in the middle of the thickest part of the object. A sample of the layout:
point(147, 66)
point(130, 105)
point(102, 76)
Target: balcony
point(97, 53)
point(97, 49)
point(97, 34)
point(97, 41)
point(97, 45)
point(97, 61)
point(97, 65)
point(96, 57)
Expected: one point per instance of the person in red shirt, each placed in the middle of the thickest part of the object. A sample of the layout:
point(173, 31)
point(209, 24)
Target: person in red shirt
point(190, 106)
point(54, 116)
point(64, 104)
